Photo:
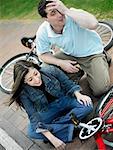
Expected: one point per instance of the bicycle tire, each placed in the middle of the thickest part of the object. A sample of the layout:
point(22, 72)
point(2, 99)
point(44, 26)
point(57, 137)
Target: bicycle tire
point(105, 105)
point(108, 139)
point(105, 111)
point(6, 71)
point(105, 31)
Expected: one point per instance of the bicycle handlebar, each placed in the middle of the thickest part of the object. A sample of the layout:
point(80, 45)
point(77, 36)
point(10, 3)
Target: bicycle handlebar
point(28, 41)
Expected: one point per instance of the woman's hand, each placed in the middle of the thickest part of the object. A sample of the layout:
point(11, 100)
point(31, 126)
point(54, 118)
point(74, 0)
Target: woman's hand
point(83, 99)
point(58, 144)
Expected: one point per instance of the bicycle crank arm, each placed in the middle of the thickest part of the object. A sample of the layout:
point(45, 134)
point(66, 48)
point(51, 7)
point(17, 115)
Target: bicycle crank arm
point(89, 127)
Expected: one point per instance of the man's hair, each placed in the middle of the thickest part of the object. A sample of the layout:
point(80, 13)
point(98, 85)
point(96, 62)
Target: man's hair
point(42, 6)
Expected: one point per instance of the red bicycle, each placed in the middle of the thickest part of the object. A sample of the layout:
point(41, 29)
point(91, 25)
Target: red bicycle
point(101, 126)
point(105, 110)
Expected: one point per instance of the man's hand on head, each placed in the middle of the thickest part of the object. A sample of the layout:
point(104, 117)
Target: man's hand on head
point(57, 4)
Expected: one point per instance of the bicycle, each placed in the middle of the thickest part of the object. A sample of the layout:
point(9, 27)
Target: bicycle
point(101, 125)
point(105, 30)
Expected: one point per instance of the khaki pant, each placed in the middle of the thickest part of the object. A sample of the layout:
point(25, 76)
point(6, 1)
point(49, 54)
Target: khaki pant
point(96, 68)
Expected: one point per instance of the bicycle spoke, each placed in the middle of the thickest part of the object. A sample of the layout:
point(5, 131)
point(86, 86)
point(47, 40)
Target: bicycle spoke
point(8, 72)
point(8, 83)
point(105, 31)
point(105, 34)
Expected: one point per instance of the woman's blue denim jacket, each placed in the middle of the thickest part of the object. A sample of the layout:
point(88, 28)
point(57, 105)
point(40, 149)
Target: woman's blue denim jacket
point(56, 83)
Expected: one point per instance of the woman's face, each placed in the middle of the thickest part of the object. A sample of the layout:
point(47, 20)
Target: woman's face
point(33, 77)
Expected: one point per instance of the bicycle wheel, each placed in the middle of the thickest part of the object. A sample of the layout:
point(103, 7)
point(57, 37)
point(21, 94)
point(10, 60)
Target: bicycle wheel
point(105, 111)
point(6, 71)
point(108, 138)
point(105, 107)
point(105, 31)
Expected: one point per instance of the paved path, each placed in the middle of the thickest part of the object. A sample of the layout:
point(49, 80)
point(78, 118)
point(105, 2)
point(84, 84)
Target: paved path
point(12, 120)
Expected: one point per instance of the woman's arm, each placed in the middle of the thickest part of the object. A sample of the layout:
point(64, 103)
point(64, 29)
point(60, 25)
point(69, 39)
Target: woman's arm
point(67, 85)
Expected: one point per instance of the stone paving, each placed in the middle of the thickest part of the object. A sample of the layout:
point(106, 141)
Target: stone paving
point(13, 120)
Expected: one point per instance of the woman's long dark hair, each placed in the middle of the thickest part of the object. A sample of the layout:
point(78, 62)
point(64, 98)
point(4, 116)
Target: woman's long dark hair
point(21, 68)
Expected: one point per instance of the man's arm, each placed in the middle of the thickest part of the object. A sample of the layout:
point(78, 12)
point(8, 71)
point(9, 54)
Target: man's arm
point(66, 65)
point(48, 57)
point(81, 17)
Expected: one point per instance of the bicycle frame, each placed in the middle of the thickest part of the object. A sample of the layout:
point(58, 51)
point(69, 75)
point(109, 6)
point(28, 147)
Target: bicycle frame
point(107, 127)
point(98, 136)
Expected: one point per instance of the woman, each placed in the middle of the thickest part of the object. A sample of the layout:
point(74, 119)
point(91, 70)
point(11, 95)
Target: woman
point(49, 97)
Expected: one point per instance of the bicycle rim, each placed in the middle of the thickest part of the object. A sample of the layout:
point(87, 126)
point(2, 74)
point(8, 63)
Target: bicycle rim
point(6, 73)
point(105, 31)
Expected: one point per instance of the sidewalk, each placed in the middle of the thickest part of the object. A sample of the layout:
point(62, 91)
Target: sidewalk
point(14, 123)
point(12, 120)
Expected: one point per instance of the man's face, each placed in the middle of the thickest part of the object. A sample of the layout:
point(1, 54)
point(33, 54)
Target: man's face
point(55, 18)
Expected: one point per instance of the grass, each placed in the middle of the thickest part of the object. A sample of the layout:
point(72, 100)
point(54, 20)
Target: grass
point(27, 9)
point(102, 9)
point(18, 9)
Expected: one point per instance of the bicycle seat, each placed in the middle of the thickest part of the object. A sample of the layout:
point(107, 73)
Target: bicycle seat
point(27, 41)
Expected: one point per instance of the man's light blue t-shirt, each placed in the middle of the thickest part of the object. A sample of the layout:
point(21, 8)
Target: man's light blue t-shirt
point(75, 40)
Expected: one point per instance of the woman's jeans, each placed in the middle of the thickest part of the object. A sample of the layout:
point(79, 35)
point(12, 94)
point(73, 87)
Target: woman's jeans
point(58, 116)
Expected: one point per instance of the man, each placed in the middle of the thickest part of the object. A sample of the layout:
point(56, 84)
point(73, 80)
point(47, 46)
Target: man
point(71, 30)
